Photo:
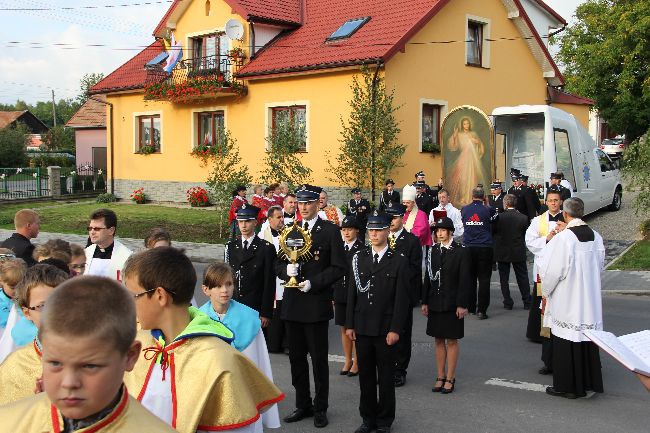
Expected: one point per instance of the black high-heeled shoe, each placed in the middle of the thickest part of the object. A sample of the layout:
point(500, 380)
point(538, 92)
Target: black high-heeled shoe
point(450, 390)
point(439, 388)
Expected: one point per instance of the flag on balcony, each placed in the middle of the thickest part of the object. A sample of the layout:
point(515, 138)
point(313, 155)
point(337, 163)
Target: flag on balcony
point(175, 55)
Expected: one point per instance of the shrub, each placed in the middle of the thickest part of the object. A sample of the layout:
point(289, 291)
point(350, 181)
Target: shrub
point(139, 196)
point(197, 197)
point(106, 198)
point(101, 183)
point(77, 184)
point(88, 183)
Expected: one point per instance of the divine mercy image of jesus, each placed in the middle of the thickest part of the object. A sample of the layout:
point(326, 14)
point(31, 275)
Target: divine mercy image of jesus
point(467, 156)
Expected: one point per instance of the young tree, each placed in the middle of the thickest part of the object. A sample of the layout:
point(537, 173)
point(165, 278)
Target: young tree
point(636, 170)
point(86, 82)
point(59, 138)
point(282, 161)
point(369, 150)
point(12, 146)
point(228, 170)
point(605, 55)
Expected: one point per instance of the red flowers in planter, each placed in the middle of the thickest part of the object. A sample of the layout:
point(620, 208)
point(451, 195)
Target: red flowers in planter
point(138, 196)
point(197, 197)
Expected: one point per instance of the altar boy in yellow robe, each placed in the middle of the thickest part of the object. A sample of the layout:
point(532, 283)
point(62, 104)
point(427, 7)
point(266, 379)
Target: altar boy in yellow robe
point(87, 333)
point(189, 375)
point(20, 370)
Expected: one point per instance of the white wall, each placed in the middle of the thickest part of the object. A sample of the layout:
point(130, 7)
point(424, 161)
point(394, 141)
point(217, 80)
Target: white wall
point(542, 20)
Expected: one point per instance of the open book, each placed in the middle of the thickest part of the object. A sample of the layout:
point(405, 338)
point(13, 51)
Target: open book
point(631, 350)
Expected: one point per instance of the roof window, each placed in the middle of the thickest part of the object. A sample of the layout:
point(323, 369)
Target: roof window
point(348, 29)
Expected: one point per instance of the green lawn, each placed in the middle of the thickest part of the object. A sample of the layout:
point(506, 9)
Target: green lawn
point(636, 258)
point(134, 221)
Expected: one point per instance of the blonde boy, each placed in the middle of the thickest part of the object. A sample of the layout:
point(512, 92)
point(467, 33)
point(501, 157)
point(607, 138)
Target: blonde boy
point(87, 333)
point(189, 376)
point(21, 369)
point(12, 270)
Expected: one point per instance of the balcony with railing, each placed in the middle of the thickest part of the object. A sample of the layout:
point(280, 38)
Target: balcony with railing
point(197, 79)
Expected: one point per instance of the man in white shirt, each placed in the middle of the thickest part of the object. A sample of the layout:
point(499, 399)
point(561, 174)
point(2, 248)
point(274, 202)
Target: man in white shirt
point(106, 256)
point(570, 271)
point(452, 213)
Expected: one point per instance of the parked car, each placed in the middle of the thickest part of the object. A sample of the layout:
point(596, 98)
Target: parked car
point(614, 147)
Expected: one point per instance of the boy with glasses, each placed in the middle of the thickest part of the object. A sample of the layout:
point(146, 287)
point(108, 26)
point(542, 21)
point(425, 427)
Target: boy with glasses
point(106, 255)
point(186, 373)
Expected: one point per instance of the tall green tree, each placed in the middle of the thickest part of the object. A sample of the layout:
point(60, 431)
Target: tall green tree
point(12, 146)
point(636, 170)
point(282, 161)
point(369, 149)
point(228, 170)
point(605, 56)
point(59, 138)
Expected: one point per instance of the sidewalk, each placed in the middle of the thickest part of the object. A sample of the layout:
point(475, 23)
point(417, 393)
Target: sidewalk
point(197, 252)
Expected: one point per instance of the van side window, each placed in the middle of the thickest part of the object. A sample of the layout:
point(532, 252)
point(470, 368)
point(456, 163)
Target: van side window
point(605, 163)
point(563, 155)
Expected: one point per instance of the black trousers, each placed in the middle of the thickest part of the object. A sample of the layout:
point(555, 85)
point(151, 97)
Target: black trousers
point(481, 270)
point(521, 274)
point(312, 339)
point(376, 367)
point(404, 346)
point(547, 352)
point(276, 334)
point(534, 318)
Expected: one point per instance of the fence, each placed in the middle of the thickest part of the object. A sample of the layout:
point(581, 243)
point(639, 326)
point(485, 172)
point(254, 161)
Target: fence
point(25, 183)
point(18, 183)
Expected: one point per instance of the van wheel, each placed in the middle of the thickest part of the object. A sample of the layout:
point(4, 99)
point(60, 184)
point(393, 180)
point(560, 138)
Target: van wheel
point(616, 201)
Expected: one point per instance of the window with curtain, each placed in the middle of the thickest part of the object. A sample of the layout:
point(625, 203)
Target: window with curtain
point(149, 131)
point(210, 127)
point(295, 115)
point(431, 127)
point(474, 43)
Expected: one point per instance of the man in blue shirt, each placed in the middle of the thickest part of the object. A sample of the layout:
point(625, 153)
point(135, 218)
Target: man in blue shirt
point(477, 219)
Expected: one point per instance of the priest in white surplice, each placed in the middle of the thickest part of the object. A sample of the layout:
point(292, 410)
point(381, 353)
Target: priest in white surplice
point(570, 271)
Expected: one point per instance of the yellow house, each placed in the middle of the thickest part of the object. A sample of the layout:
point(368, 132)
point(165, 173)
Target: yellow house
point(259, 61)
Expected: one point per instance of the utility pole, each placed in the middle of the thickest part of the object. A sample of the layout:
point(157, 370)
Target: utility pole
point(53, 108)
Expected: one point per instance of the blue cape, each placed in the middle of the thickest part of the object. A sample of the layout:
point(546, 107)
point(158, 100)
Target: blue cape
point(243, 320)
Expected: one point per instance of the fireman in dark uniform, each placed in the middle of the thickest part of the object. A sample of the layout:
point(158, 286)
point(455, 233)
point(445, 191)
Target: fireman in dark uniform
point(388, 195)
point(378, 303)
point(496, 196)
point(253, 260)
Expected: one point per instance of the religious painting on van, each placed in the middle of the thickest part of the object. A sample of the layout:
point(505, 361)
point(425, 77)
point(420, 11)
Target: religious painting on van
point(467, 152)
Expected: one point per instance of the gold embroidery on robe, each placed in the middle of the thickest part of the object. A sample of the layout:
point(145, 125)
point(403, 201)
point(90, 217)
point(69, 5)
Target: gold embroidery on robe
point(19, 372)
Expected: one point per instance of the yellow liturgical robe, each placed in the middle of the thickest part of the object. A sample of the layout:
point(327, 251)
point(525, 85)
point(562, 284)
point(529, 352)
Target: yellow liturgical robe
point(19, 372)
point(213, 386)
point(37, 415)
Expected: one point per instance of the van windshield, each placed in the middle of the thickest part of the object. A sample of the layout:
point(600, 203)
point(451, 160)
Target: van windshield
point(523, 139)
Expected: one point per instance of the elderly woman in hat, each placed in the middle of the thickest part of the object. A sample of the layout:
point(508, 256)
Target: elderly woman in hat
point(445, 296)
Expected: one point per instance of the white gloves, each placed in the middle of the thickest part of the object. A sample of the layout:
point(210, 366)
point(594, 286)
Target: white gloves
point(306, 286)
point(292, 269)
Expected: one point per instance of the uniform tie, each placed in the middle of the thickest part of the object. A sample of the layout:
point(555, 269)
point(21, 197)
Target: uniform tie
point(306, 226)
point(347, 248)
point(245, 244)
point(376, 261)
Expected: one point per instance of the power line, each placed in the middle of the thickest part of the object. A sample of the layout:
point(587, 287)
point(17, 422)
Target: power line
point(68, 8)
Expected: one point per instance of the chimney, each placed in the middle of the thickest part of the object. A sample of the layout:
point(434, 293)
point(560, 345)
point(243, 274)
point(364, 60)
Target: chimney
point(303, 11)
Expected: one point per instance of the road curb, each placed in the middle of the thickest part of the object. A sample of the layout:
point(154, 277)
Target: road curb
point(618, 257)
point(627, 292)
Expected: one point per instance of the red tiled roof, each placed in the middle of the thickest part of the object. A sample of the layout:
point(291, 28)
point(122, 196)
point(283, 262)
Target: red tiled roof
point(92, 114)
point(130, 75)
point(561, 97)
point(9, 117)
point(391, 25)
point(286, 11)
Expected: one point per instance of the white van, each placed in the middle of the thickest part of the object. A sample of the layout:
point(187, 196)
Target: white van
point(540, 140)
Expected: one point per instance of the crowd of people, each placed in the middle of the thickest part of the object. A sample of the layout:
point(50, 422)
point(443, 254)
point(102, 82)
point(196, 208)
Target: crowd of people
point(103, 338)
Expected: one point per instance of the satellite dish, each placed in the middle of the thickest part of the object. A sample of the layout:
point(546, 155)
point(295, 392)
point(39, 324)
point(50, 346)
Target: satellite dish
point(234, 29)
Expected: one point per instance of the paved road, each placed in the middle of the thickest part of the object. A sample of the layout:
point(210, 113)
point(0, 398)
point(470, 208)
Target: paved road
point(492, 349)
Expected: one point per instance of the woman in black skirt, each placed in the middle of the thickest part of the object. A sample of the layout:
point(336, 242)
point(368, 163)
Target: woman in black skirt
point(445, 294)
point(351, 244)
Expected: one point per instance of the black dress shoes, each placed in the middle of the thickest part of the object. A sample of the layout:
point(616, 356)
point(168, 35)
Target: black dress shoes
point(365, 428)
point(320, 419)
point(545, 371)
point(299, 414)
point(551, 391)
point(400, 380)
point(507, 307)
point(481, 316)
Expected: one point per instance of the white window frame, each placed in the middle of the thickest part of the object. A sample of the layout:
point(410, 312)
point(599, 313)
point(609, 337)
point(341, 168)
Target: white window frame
point(189, 43)
point(194, 121)
point(486, 44)
point(136, 129)
point(268, 120)
point(444, 108)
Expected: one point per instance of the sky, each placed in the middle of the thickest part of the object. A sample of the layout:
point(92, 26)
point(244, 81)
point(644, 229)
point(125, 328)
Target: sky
point(46, 48)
